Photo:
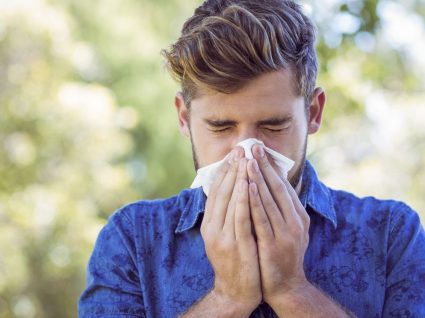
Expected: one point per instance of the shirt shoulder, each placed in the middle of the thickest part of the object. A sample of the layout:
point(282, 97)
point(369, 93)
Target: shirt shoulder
point(146, 224)
point(389, 227)
point(377, 250)
point(170, 205)
point(348, 206)
point(153, 212)
point(134, 241)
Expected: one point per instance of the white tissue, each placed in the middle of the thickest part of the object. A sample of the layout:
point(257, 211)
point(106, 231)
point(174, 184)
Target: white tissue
point(205, 176)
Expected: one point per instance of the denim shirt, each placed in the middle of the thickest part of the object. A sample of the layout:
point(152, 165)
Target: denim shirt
point(368, 255)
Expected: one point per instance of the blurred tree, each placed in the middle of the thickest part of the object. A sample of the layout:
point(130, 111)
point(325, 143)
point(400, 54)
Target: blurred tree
point(61, 147)
point(87, 124)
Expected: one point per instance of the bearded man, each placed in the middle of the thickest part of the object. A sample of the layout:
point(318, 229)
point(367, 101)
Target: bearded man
point(255, 241)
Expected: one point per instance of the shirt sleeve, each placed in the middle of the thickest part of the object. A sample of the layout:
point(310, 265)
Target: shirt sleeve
point(405, 292)
point(113, 285)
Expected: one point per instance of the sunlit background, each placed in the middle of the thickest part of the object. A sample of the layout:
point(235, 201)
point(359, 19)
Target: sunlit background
point(87, 124)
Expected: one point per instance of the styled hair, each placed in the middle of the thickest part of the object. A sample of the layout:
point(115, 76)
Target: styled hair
point(227, 43)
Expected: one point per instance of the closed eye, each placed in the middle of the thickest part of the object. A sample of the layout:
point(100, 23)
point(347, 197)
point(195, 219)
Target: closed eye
point(220, 125)
point(277, 129)
point(276, 124)
point(220, 129)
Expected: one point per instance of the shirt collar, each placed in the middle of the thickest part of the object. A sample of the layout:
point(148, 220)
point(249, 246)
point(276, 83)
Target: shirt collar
point(314, 194)
point(192, 204)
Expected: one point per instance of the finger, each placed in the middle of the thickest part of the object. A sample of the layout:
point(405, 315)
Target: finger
point(262, 226)
point(223, 195)
point(297, 203)
point(242, 175)
point(270, 207)
point(222, 172)
point(242, 217)
point(229, 223)
point(276, 186)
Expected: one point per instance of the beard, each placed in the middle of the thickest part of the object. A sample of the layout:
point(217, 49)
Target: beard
point(294, 179)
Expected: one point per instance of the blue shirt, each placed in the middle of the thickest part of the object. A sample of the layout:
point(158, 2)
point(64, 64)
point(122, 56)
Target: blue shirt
point(367, 254)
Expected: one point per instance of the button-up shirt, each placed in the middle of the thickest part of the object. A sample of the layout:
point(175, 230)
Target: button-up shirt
point(368, 255)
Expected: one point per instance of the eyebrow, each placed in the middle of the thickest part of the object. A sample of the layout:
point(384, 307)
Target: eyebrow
point(220, 123)
point(275, 121)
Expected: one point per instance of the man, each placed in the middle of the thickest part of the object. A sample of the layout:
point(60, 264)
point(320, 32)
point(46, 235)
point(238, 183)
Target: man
point(259, 245)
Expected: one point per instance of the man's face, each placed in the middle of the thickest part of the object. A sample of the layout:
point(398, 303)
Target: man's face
point(266, 109)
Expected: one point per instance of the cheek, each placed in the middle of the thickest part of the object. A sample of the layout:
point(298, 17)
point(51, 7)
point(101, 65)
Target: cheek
point(286, 144)
point(210, 148)
point(291, 146)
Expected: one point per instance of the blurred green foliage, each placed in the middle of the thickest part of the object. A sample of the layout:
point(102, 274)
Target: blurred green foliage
point(87, 124)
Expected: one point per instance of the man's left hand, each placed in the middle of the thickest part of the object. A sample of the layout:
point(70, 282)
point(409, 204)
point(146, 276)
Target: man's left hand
point(281, 225)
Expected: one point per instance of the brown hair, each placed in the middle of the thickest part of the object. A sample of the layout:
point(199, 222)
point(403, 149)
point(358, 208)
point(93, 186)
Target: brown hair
point(227, 43)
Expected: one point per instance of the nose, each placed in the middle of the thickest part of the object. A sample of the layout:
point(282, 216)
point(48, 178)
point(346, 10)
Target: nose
point(245, 133)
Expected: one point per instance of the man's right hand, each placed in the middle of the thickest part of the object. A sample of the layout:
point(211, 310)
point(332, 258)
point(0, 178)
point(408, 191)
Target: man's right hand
point(229, 243)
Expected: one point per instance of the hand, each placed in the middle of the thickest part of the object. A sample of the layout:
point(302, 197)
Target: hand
point(281, 225)
point(227, 232)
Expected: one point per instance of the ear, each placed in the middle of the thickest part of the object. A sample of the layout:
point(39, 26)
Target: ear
point(316, 107)
point(182, 114)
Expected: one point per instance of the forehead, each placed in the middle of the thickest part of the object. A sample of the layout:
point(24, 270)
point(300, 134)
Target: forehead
point(271, 92)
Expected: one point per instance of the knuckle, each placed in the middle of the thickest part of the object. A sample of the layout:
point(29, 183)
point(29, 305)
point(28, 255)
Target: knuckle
point(265, 162)
point(289, 244)
point(256, 203)
point(270, 205)
point(206, 233)
point(235, 165)
point(261, 181)
point(221, 192)
point(209, 203)
point(243, 225)
point(231, 206)
point(203, 228)
point(224, 245)
point(262, 220)
point(306, 237)
point(281, 187)
point(214, 187)
point(270, 250)
point(306, 219)
point(220, 175)
point(297, 231)
point(242, 165)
